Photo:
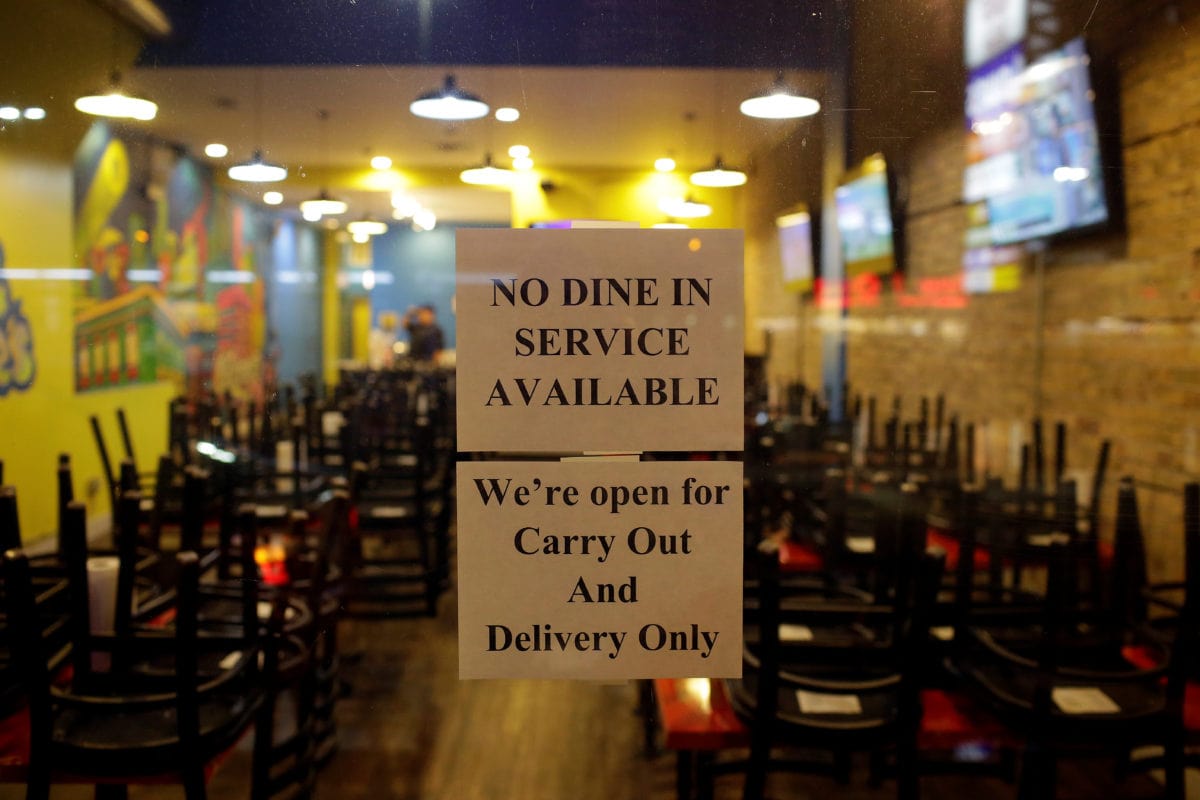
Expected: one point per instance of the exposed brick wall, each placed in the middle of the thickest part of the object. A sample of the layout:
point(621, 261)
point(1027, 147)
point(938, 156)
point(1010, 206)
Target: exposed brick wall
point(1119, 341)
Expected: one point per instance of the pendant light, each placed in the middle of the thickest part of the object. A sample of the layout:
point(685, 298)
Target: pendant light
point(322, 205)
point(486, 175)
point(449, 104)
point(257, 169)
point(684, 208)
point(114, 103)
point(780, 102)
point(367, 226)
point(718, 176)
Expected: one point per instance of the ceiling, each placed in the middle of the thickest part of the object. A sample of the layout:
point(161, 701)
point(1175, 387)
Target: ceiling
point(572, 118)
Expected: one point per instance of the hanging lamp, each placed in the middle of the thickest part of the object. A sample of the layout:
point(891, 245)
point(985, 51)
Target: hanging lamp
point(718, 176)
point(116, 104)
point(449, 104)
point(323, 205)
point(683, 208)
point(486, 175)
point(779, 102)
point(258, 169)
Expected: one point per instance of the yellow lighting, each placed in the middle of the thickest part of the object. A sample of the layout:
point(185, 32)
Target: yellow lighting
point(371, 227)
point(360, 238)
point(519, 151)
point(272, 198)
point(683, 208)
point(381, 162)
point(9, 113)
point(487, 175)
point(117, 105)
point(35, 113)
point(310, 215)
point(665, 164)
point(718, 176)
point(215, 150)
point(424, 220)
point(507, 114)
point(524, 164)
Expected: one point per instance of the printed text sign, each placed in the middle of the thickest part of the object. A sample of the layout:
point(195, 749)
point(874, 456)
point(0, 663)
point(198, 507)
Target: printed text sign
point(578, 340)
point(600, 570)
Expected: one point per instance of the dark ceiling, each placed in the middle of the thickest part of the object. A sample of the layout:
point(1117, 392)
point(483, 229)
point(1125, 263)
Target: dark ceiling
point(684, 33)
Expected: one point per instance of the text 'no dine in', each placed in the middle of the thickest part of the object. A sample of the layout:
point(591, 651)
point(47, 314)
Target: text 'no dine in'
point(600, 292)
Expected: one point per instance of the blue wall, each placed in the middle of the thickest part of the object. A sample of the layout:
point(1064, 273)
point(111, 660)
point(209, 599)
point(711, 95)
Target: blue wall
point(294, 300)
point(422, 270)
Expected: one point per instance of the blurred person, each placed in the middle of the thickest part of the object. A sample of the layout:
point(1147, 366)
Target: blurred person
point(425, 337)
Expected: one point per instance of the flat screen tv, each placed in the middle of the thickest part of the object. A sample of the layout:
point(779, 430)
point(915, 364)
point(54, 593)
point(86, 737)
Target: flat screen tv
point(796, 249)
point(864, 220)
point(1033, 147)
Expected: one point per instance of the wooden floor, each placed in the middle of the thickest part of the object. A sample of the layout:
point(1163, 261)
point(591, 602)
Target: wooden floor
point(411, 729)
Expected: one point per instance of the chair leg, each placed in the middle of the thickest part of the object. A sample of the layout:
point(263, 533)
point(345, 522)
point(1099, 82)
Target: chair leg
point(685, 767)
point(1039, 774)
point(1176, 787)
point(194, 787)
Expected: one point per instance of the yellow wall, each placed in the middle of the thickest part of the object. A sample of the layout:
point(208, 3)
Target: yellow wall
point(49, 418)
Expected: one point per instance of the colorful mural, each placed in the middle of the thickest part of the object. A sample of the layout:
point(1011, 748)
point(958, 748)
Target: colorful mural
point(176, 289)
point(18, 367)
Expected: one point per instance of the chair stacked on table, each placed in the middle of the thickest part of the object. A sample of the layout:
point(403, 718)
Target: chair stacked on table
point(938, 621)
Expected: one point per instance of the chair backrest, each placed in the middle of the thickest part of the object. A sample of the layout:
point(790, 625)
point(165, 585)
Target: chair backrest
point(105, 463)
point(10, 522)
point(1126, 601)
point(1186, 647)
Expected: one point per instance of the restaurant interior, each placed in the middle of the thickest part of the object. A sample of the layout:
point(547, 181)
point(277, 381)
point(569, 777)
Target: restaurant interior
point(970, 440)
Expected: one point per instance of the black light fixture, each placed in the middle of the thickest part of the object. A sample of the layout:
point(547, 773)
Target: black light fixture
point(449, 104)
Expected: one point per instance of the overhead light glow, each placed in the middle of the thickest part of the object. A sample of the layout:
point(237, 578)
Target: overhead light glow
point(215, 150)
point(35, 113)
point(405, 205)
point(664, 164)
point(519, 151)
point(257, 171)
point(360, 238)
point(323, 206)
point(524, 164)
point(368, 279)
point(718, 176)
point(381, 162)
point(683, 208)
point(668, 225)
point(507, 114)
point(272, 198)
point(780, 104)
point(487, 175)
point(117, 105)
point(371, 227)
point(424, 220)
point(311, 215)
point(449, 103)
point(9, 113)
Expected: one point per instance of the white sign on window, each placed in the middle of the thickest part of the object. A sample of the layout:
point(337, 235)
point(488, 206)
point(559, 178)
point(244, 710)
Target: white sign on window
point(579, 340)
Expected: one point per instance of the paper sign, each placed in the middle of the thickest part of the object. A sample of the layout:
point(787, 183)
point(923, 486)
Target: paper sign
point(1083, 700)
point(827, 703)
point(577, 340)
point(795, 633)
point(600, 570)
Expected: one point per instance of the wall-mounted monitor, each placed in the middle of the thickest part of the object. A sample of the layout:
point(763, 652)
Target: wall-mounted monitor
point(1033, 147)
point(796, 249)
point(864, 220)
point(993, 26)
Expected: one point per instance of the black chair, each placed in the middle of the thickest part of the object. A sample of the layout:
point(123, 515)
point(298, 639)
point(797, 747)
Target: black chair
point(173, 702)
point(1067, 684)
point(841, 694)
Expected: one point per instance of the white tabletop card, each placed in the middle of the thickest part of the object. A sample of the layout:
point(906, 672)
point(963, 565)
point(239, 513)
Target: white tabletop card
point(860, 544)
point(795, 633)
point(828, 703)
point(600, 570)
point(1083, 700)
point(578, 340)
